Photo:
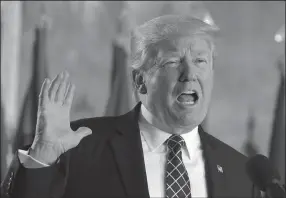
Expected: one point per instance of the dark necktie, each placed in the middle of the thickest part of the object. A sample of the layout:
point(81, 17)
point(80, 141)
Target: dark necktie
point(177, 183)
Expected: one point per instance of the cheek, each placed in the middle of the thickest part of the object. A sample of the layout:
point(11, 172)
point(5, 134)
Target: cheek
point(163, 76)
point(162, 82)
point(207, 83)
point(205, 74)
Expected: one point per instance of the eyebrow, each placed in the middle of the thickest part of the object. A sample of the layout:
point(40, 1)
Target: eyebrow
point(176, 54)
point(200, 53)
point(169, 54)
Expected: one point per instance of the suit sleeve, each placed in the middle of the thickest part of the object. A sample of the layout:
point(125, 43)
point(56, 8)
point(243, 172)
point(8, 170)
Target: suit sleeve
point(46, 182)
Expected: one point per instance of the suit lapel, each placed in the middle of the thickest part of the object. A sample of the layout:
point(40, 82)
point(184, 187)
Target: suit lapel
point(214, 166)
point(128, 152)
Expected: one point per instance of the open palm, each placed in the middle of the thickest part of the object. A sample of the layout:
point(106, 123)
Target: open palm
point(53, 132)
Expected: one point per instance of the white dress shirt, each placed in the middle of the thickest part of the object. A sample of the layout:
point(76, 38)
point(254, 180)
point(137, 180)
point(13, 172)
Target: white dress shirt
point(155, 156)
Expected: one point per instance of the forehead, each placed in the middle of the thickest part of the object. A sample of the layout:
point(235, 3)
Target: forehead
point(179, 44)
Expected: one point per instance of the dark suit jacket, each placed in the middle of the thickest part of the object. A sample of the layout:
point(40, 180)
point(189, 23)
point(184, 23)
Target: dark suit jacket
point(110, 163)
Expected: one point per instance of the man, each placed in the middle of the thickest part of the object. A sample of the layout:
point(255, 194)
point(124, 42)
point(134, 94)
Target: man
point(156, 150)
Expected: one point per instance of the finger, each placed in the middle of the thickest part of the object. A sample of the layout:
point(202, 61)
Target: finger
point(69, 95)
point(67, 89)
point(44, 92)
point(54, 86)
point(60, 95)
point(82, 132)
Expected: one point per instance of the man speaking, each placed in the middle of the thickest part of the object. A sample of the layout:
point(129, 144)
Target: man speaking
point(158, 149)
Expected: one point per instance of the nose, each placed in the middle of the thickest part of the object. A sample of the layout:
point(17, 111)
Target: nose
point(188, 72)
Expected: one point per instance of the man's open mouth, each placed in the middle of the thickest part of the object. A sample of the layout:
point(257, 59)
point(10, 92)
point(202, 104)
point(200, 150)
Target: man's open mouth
point(190, 97)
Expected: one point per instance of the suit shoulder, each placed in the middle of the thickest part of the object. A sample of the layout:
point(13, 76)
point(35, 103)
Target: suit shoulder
point(226, 149)
point(101, 127)
point(93, 123)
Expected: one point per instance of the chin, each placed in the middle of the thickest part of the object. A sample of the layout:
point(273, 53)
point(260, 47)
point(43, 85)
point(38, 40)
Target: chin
point(187, 122)
point(190, 120)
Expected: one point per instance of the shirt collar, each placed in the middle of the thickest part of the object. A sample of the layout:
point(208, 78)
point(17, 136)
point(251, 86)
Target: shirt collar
point(155, 137)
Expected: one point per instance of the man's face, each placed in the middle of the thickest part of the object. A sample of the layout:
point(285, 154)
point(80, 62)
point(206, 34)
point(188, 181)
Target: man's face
point(179, 85)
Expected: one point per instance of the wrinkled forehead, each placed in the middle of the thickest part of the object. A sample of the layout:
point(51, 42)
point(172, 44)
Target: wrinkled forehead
point(197, 44)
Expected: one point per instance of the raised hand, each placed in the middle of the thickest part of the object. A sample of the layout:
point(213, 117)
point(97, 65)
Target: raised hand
point(53, 134)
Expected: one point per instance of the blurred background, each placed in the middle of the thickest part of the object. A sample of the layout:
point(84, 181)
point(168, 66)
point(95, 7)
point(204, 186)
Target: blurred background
point(89, 39)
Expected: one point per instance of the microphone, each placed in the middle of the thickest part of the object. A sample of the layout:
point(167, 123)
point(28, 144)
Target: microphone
point(263, 174)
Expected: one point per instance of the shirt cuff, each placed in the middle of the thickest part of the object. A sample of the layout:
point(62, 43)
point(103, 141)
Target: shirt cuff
point(29, 162)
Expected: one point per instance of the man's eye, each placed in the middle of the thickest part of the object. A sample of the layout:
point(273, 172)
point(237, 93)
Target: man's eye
point(200, 60)
point(172, 62)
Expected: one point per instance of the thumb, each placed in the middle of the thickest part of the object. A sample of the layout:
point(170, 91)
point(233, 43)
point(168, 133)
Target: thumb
point(83, 132)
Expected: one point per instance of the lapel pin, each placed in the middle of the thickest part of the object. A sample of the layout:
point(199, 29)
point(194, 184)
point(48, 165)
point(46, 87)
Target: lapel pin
point(219, 168)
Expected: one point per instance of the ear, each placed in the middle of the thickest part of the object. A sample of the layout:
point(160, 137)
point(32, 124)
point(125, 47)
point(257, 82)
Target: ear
point(139, 81)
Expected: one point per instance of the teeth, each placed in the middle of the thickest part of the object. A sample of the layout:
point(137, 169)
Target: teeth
point(189, 92)
point(184, 98)
point(191, 102)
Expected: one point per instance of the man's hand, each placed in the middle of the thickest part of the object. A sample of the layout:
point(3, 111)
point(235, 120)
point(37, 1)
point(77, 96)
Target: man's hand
point(53, 134)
